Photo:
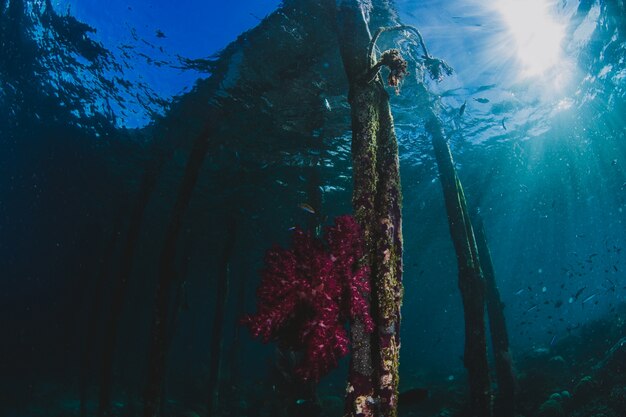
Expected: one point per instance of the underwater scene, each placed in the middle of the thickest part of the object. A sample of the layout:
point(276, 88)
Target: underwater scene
point(313, 208)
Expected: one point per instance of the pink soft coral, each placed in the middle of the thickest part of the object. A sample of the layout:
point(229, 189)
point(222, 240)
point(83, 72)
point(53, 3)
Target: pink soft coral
point(309, 291)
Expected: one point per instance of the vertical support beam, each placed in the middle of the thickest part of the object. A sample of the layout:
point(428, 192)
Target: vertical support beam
point(471, 281)
point(504, 404)
point(221, 297)
point(120, 290)
point(94, 318)
point(360, 391)
point(167, 275)
point(373, 380)
point(235, 350)
point(387, 258)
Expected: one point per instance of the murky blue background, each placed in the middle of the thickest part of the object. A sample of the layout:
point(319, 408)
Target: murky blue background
point(84, 114)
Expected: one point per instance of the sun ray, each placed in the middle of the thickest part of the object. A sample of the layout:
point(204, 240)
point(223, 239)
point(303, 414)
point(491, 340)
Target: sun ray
point(536, 32)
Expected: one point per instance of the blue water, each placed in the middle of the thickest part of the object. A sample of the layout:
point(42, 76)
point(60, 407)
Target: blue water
point(100, 108)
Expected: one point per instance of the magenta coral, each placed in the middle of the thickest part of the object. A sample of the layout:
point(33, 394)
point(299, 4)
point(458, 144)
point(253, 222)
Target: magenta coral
point(309, 291)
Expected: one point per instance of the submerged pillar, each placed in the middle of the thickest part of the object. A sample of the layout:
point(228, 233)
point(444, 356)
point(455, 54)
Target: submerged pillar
point(167, 274)
point(471, 280)
point(373, 380)
point(504, 404)
point(221, 296)
point(121, 284)
point(94, 316)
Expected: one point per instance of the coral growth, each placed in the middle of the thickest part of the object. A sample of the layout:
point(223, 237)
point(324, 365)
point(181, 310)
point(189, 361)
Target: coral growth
point(309, 291)
point(397, 67)
point(437, 68)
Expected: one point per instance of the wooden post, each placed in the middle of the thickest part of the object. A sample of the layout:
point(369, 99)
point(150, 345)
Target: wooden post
point(94, 316)
point(235, 350)
point(221, 295)
point(120, 288)
point(504, 404)
point(167, 274)
point(373, 380)
point(471, 281)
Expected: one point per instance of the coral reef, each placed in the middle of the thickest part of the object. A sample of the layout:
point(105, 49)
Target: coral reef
point(309, 291)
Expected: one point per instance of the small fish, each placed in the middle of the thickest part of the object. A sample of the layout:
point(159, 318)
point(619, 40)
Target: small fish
point(327, 104)
point(462, 109)
point(553, 340)
point(307, 207)
point(482, 100)
point(532, 308)
point(292, 228)
point(503, 125)
point(518, 292)
point(591, 297)
point(281, 183)
point(160, 34)
point(307, 407)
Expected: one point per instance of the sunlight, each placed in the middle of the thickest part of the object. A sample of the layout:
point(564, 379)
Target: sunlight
point(536, 32)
